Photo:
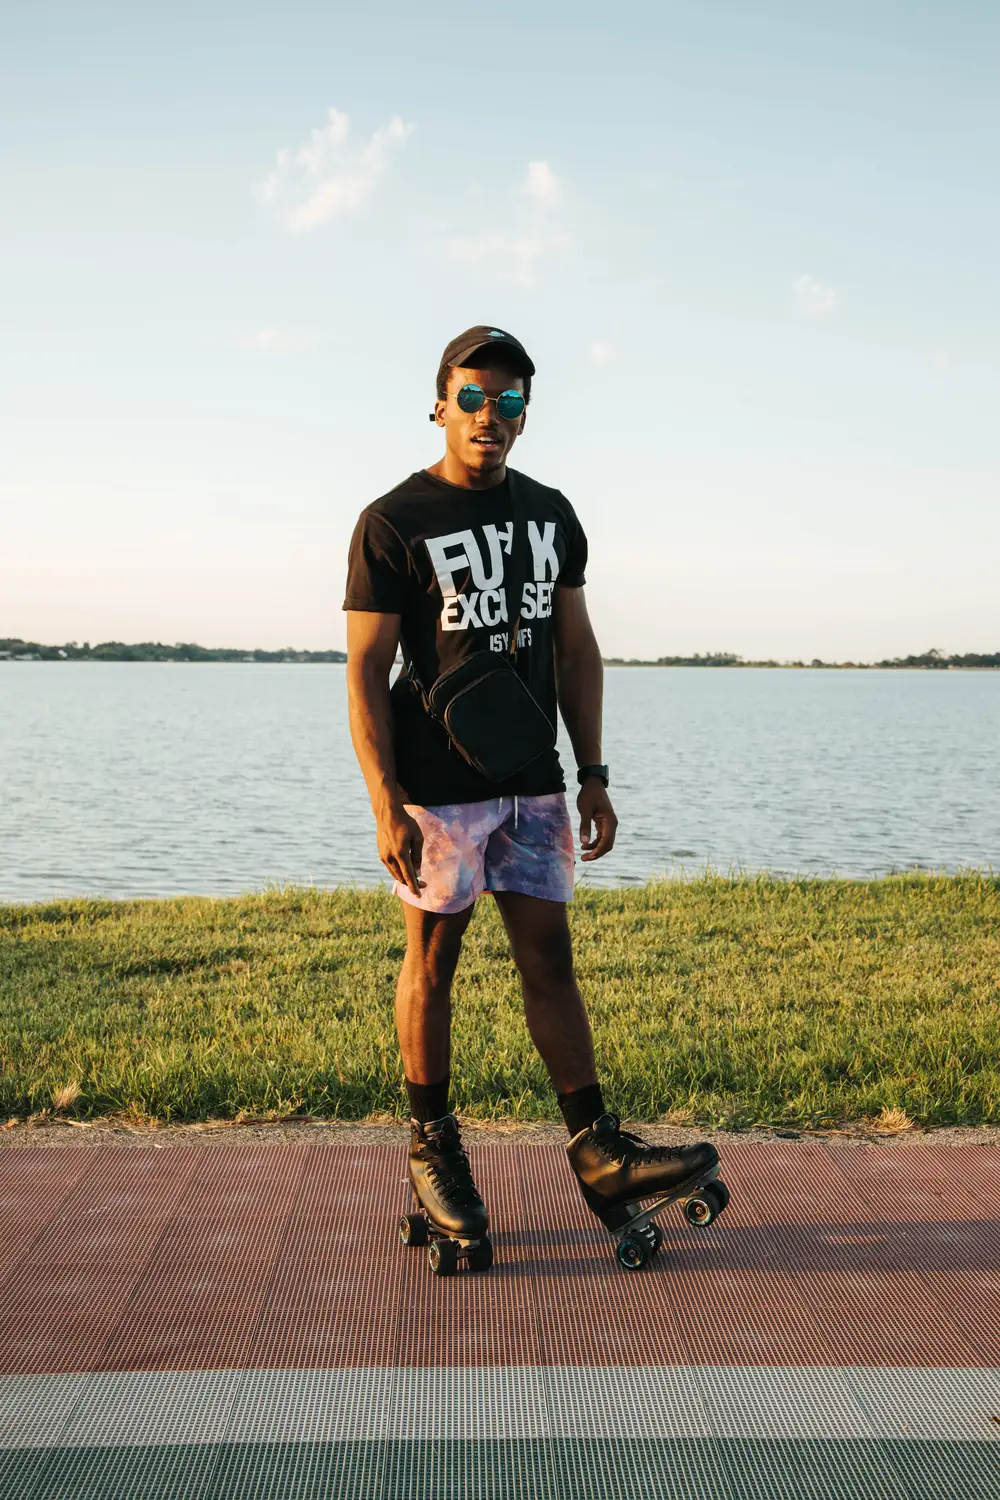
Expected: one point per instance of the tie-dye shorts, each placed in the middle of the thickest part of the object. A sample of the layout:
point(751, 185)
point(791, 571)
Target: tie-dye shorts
point(506, 844)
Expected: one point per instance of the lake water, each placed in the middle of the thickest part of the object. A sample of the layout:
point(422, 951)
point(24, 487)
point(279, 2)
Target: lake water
point(151, 780)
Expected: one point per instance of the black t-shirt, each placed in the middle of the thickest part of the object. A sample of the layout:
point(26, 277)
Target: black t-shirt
point(438, 555)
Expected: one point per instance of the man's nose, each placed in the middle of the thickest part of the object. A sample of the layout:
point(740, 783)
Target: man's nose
point(485, 414)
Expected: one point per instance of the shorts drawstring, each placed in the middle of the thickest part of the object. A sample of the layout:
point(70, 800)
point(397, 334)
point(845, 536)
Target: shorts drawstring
point(500, 809)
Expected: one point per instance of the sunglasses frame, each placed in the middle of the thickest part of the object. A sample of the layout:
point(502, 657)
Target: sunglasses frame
point(432, 416)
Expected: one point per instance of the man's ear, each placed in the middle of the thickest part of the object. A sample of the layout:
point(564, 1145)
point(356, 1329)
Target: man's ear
point(520, 425)
point(438, 412)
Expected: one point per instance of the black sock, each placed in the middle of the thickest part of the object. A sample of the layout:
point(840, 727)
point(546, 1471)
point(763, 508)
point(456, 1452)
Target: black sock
point(582, 1107)
point(428, 1101)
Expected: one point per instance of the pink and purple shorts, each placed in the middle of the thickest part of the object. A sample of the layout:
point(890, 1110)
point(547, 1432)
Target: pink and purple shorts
point(506, 844)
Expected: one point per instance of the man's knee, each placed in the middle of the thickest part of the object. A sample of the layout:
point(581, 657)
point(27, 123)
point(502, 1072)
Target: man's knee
point(548, 964)
point(434, 943)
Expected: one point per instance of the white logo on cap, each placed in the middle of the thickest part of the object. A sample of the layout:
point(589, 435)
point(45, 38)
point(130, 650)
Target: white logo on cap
point(495, 333)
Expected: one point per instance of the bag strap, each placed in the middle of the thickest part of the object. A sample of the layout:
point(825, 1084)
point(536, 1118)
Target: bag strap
point(518, 561)
point(410, 671)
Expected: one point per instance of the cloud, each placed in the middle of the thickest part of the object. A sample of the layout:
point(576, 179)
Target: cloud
point(516, 255)
point(542, 182)
point(813, 299)
point(280, 341)
point(602, 353)
point(941, 360)
point(329, 174)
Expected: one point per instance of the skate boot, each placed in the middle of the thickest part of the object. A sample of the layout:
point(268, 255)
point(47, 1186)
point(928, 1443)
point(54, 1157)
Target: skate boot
point(451, 1219)
point(616, 1169)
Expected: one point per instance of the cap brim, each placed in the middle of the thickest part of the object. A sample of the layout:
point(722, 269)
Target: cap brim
point(518, 358)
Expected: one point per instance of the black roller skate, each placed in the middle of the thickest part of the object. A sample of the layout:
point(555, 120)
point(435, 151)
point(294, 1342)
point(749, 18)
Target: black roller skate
point(616, 1169)
point(451, 1219)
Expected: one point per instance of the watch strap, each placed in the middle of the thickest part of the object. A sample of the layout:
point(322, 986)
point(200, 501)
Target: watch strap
point(585, 772)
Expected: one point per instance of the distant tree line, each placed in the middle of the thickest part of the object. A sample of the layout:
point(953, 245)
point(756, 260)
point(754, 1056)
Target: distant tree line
point(939, 659)
point(154, 651)
point(932, 659)
point(15, 649)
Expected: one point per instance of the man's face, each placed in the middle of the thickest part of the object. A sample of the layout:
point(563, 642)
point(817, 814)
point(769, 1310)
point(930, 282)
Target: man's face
point(481, 440)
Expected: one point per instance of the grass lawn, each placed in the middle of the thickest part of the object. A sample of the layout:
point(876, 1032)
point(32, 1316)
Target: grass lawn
point(722, 1001)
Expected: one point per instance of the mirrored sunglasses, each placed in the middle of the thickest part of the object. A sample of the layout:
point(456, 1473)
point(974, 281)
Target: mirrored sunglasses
point(510, 404)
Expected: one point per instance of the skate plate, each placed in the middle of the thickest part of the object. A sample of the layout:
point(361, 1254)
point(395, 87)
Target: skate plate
point(637, 1238)
point(445, 1250)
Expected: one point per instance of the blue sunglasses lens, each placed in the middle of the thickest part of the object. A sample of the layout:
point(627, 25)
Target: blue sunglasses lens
point(510, 404)
point(471, 397)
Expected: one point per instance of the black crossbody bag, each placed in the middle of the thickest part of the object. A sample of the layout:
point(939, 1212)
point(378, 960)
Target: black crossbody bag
point(488, 713)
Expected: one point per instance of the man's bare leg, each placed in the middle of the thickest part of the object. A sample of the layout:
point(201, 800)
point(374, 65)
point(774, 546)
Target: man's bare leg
point(439, 1169)
point(423, 991)
point(553, 1006)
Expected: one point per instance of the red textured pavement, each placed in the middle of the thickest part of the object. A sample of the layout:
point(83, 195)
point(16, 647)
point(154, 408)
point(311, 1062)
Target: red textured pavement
point(286, 1257)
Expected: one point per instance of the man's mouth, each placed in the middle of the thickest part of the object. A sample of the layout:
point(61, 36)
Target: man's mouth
point(488, 440)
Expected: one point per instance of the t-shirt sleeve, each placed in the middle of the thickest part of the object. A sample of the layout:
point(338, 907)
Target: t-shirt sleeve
point(573, 571)
point(378, 567)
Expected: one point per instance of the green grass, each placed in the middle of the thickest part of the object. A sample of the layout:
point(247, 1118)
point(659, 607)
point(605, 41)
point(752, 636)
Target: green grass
point(739, 1001)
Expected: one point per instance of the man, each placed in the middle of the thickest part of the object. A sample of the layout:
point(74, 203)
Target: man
point(428, 566)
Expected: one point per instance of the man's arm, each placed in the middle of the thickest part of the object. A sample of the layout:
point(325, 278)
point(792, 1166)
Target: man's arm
point(372, 640)
point(580, 691)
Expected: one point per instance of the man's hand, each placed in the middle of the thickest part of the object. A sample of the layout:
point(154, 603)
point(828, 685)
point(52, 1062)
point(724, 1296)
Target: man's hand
point(594, 805)
point(400, 846)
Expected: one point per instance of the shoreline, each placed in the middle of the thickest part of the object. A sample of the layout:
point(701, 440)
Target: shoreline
point(671, 881)
point(340, 660)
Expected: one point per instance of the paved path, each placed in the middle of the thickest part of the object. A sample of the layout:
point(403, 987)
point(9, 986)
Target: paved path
point(241, 1321)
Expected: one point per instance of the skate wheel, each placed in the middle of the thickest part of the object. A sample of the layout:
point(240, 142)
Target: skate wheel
point(700, 1210)
point(632, 1253)
point(720, 1193)
point(443, 1257)
point(413, 1229)
point(480, 1257)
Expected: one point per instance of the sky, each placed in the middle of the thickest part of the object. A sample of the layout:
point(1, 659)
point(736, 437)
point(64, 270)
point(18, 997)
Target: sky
point(752, 250)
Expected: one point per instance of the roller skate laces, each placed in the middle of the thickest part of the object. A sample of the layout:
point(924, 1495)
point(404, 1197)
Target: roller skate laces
point(626, 1149)
point(446, 1166)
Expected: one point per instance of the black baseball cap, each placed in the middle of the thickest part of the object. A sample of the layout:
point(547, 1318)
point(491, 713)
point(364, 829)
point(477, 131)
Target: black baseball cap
point(484, 336)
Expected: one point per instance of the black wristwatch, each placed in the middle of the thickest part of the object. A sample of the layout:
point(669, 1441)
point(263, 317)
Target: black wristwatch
point(585, 772)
